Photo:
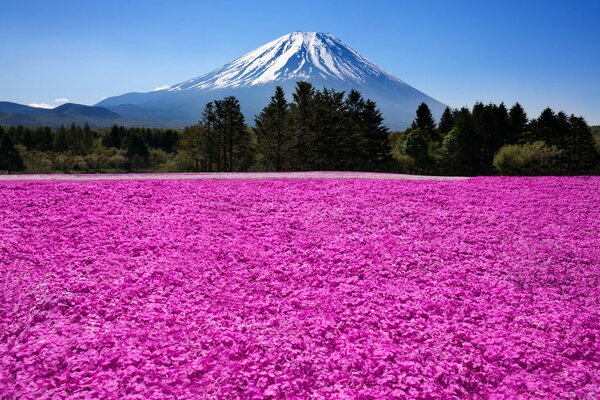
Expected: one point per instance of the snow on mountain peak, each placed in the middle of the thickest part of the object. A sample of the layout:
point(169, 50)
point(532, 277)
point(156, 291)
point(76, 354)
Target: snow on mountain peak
point(297, 56)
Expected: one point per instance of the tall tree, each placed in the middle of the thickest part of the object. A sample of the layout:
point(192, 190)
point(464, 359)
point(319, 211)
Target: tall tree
point(193, 146)
point(60, 140)
point(424, 120)
point(333, 147)
point(579, 149)
point(517, 120)
point(113, 138)
point(273, 131)
point(302, 114)
point(137, 146)
point(446, 121)
point(10, 159)
point(544, 128)
point(43, 139)
point(377, 138)
point(87, 139)
point(236, 146)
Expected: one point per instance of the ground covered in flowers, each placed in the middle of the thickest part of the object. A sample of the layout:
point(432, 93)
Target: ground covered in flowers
point(300, 288)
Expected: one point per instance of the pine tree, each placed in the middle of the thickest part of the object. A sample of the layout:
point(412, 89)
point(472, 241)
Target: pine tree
point(273, 132)
point(332, 147)
point(424, 120)
point(60, 140)
point(28, 141)
point(544, 128)
point(446, 121)
point(302, 114)
point(112, 138)
point(579, 150)
point(466, 143)
point(193, 145)
point(211, 139)
point(416, 146)
point(74, 138)
point(137, 146)
point(87, 139)
point(10, 159)
point(517, 121)
point(356, 138)
point(377, 138)
point(236, 144)
point(43, 139)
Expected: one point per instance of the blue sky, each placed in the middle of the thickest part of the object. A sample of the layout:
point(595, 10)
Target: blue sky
point(541, 53)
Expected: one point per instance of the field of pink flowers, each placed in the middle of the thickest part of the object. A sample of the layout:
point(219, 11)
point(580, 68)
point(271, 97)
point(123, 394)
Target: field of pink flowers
point(300, 288)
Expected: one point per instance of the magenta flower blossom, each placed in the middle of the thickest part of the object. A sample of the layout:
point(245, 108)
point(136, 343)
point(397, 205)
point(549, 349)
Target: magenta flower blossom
point(303, 288)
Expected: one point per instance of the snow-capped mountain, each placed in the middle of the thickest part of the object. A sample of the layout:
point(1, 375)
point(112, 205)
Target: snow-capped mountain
point(319, 58)
point(296, 56)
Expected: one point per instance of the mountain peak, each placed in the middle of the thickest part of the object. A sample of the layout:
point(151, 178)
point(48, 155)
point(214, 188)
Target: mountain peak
point(296, 56)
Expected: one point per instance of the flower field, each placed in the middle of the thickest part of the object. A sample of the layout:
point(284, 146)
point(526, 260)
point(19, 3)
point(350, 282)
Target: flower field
point(300, 288)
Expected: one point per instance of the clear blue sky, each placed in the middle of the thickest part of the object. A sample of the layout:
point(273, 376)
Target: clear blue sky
point(541, 53)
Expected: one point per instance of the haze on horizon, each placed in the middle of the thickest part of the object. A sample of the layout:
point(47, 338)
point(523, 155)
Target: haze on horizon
point(540, 53)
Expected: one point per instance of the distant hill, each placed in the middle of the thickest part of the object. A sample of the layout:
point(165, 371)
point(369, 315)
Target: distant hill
point(596, 130)
point(66, 114)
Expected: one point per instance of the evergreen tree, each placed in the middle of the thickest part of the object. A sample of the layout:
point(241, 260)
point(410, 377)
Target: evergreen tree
point(193, 145)
point(137, 146)
point(357, 136)
point(579, 151)
point(544, 128)
point(28, 141)
point(424, 121)
point(211, 139)
point(74, 139)
point(333, 147)
point(446, 121)
point(302, 114)
point(465, 142)
point(60, 140)
point(10, 159)
point(43, 139)
point(517, 121)
point(87, 139)
point(377, 138)
point(416, 146)
point(273, 132)
point(236, 144)
point(112, 138)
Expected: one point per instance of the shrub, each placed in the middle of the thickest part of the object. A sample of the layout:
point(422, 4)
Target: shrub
point(528, 159)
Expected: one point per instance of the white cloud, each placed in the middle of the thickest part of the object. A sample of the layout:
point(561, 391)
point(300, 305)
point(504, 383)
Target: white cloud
point(61, 100)
point(162, 87)
point(40, 105)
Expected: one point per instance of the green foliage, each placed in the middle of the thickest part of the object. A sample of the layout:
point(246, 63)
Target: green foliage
point(273, 132)
point(193, 153)
point(137, 147)
point(424, 120)
point(535, 158)
point(10, 159)
point(517, 121)
point(321, 130)
point(446, 121)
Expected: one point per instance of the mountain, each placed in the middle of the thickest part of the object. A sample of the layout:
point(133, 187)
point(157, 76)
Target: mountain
point(19, 114)
point(319, 58)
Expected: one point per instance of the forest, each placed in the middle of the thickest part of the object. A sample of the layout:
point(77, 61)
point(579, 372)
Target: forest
point(318, 130)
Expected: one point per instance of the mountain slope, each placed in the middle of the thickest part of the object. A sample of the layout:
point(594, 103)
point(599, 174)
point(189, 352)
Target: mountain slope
point(19, 114)
point(319, 58)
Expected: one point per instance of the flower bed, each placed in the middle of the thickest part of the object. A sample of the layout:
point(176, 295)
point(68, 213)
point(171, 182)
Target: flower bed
point(321, 288)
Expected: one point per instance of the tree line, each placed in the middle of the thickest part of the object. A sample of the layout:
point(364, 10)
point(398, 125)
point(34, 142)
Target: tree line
point(318, 130)
point(490, 138)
